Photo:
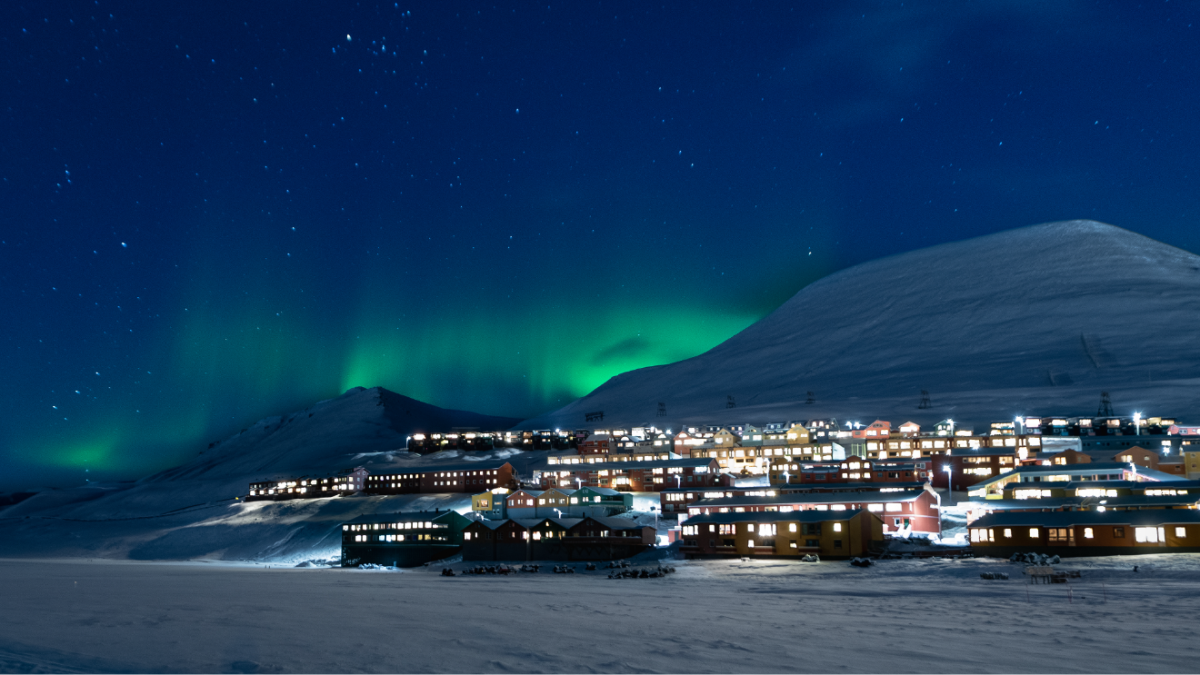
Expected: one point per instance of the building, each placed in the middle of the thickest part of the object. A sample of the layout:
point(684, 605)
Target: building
point(636, 476)
point(904, 511)
point(523, 503)
point(569, 539)
point(787, 471)
point(491, 504)
point(976, 509)
point(830, 534)
point(471, 477)
point(994, 488)
point(595, 501)
point(1087, 533)
point(346, 482)
point(402, 539)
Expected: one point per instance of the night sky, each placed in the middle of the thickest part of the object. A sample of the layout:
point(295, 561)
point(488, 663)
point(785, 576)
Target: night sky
point(220, 211)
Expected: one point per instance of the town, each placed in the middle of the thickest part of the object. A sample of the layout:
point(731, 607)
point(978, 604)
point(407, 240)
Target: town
point(818, 489)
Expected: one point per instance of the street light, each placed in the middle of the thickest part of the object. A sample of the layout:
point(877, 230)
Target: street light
point(1016, 423)
point(1137, 423)
point(949, 469)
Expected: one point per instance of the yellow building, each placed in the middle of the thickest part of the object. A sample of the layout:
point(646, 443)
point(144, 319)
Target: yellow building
point(829, 534)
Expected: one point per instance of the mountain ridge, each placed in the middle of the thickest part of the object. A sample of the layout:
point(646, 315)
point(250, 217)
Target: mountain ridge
point(1059, 305)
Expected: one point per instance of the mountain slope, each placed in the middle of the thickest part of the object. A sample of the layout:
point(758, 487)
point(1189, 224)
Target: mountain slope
point(191, 511)
point(1045, 315)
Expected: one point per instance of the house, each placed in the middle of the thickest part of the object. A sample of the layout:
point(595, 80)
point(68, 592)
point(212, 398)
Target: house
point(589, 538)
point(906, 511)
point(876, 429)
point(470, 477)
point(968, 466)
point(830, 534)
point(402, 539)
point(523, 503)
point(491, 504)
point(1087, 533)
point(346, 482)
point(1136, 455)
point(596, 501)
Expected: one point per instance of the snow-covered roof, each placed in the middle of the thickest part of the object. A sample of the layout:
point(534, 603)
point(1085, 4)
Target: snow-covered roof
point(814, 498)
point(401, 517)
point(774, 516)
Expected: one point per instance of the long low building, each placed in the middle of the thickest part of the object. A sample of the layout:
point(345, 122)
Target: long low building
point(1087, 533)
point(635, 476)
point(402, 539)
point(829, 534)
point(346, 482)
point(1038, 476)
point(470, 477)
point(591, 538)
point(906, 511)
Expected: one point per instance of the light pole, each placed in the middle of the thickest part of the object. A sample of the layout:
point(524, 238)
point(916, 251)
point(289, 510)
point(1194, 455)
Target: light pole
point(949, 469)
point(1137, 423)
point(1016, 423)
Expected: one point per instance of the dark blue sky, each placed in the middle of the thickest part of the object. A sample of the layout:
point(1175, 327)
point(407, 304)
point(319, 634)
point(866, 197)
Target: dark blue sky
point(213, 213)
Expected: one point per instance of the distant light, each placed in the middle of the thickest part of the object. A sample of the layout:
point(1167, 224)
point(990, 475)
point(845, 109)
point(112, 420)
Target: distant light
point(347, 37)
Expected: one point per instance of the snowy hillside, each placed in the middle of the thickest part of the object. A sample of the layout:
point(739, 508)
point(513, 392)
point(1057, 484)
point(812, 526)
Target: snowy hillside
point(191, 511)
point(1034, 320)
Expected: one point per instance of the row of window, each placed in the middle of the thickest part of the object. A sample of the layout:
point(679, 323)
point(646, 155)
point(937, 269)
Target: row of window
point(1147, 535)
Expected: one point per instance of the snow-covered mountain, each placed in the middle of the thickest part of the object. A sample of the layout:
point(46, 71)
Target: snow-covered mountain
point(1034, 320)
point(192, 511)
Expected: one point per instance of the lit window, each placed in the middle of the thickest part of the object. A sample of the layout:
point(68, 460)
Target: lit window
point(1008, 532)
point(1181, 532)
point(1033, 533)
point(837, 527)
point(1087, 533)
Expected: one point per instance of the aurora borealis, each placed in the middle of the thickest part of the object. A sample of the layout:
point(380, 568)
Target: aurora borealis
point(223, 211)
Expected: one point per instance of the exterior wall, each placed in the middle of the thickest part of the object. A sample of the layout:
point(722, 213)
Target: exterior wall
point(438, 538)
point(588, 540)
point(919, 514)
point(629, 479)
point(1105, 540)
point(342, 483)
point(1191, 463)
point(831, 539)
point(967, 470)
point(490, 505)
point(440, 480)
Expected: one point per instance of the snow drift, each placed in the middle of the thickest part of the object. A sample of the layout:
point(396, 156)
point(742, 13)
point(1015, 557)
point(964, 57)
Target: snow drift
point(1033, 320)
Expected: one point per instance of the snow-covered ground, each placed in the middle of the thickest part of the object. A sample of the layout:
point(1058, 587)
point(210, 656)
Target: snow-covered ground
point(761, 616)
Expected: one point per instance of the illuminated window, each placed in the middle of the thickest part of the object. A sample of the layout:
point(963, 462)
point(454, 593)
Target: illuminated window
point(1008, 533)
point(1088, 533)
point(1181, 532)
point(837, 527)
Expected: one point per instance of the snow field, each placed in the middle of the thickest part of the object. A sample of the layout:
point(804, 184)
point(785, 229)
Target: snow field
point(727, 616)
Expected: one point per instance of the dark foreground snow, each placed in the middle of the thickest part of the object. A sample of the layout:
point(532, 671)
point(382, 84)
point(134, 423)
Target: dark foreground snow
point(725, 616)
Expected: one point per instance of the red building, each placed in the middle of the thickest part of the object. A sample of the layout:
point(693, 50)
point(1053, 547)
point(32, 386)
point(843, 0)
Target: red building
point(904, 510)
